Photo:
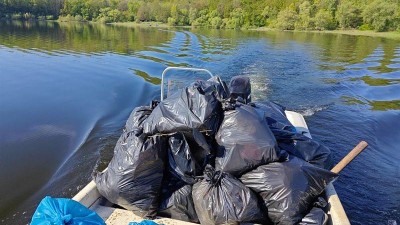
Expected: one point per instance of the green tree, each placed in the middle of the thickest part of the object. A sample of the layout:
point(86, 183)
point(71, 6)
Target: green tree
point(143, 12)
point(304, 21)
point(133, 7)
point(348, 15)
point(382, 15)
point(109, 15)
point(192, 15)
point(323, 20)
point(287, 19)
point(216, 22)
point(269, 13)
point(160, 12)
point(202, 19)
point(236, 19)
point(328, 5)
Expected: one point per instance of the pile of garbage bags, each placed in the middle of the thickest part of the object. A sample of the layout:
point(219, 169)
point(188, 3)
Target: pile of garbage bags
point(207, 155)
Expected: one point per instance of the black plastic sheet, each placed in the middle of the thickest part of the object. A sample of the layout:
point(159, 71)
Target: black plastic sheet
point(288, 189)
point(222, 199)
point(195, 107)
point(245, 141)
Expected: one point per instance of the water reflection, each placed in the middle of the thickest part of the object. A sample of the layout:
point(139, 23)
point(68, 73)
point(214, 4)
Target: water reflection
point(81, 78)
point(147, 77)
point(376, 81)
point(79, 37)
point(67, 89)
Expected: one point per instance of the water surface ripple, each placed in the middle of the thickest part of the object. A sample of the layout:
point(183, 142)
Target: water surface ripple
point(66, 90)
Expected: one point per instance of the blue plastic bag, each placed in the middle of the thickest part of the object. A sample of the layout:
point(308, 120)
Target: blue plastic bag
point(144, 222)
point(63, 211)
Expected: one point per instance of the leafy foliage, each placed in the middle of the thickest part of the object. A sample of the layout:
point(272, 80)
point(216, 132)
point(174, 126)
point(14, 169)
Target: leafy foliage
point(380, 15)
point(305, 20)
point(349, 15)
point(287, 19)
point(324, 20)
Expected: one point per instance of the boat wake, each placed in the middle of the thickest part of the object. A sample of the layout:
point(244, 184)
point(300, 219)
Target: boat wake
point(309, 111)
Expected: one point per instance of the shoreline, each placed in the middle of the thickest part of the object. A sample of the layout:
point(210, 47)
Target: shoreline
point(394, 35)
point(146, 24)
point(142, 24)
point(369, 33)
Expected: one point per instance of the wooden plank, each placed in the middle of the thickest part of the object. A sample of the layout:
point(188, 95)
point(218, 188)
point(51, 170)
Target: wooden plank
point(113, 216)
point(349, 157)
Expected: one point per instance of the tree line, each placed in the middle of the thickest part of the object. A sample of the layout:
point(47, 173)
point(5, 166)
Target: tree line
point(378, 15)
point(30, 9)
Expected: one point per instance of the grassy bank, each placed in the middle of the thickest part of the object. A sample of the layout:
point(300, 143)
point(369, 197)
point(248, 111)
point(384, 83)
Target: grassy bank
point(142, 24)
point(146, 24)
point(391, 35)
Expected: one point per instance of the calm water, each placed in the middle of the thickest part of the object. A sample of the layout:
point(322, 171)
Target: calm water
point(66, 90)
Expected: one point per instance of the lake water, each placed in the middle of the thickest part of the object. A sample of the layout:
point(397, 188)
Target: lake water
point(66, 90)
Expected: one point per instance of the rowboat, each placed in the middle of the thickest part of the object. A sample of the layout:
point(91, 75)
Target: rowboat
point(90, 197)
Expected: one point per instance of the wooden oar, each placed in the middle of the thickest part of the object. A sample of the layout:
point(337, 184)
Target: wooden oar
point(349, 157)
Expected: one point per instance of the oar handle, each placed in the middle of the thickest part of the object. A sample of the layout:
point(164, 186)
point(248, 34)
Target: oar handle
point(349, 157)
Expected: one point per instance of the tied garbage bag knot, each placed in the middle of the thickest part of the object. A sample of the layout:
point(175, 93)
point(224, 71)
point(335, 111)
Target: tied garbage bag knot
point(212, 176)
point(66, 218)
point(64, 211)
point(222, 199)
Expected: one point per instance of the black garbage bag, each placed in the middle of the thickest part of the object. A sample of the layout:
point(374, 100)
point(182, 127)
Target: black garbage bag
point(138, 115)
point(181, 162)
point(221, 89)
point(240, 88)
point(134, 175)
point(222, 199)
point(316, 216)
point(201, 146)
point(305, 148)
point(195, 107)
point(178, 204)
point(188, 154)
point(288, 189)
point(245, 141)
point(274, 115)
